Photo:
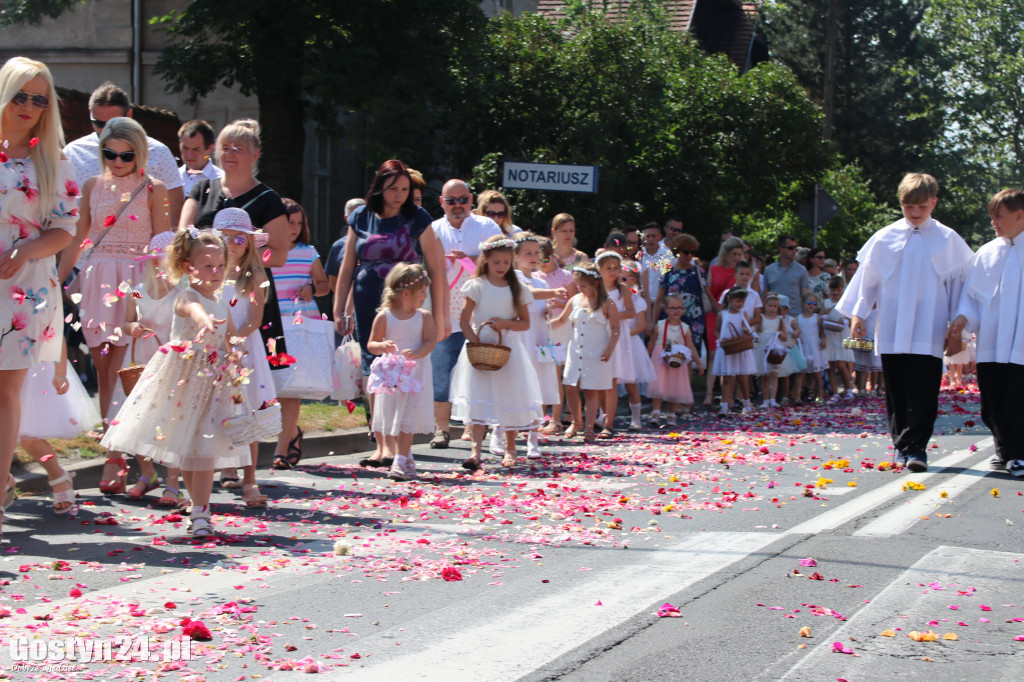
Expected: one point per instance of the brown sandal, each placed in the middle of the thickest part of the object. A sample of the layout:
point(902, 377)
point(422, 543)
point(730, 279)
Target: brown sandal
point(588, 436)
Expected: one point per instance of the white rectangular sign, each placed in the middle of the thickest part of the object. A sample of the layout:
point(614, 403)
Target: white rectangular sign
point(551, 177)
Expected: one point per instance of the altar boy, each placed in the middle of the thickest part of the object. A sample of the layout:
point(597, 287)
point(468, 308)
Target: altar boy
point(992, 304)
point(914, 271)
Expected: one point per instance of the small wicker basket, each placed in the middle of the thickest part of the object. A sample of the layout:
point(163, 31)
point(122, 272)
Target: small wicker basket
point(253, 425)
point(130, 375)
point(488, 356)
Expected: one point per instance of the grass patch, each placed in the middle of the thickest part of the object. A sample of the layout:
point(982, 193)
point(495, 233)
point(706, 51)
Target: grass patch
point(328, 416)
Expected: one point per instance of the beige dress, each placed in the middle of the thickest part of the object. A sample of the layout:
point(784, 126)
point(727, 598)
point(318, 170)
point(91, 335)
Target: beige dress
point(187, 390)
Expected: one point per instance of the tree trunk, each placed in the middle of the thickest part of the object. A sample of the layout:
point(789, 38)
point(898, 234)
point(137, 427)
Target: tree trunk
point(283, 138)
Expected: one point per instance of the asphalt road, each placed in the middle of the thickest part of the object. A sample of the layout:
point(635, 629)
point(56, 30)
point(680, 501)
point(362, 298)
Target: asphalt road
point(753, 528)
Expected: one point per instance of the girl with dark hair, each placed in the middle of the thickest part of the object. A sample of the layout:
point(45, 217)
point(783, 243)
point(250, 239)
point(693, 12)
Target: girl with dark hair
point(390, 229)
point(297, 281)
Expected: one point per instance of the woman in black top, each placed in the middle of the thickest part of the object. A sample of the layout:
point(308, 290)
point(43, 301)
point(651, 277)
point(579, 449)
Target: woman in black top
point(237, 151)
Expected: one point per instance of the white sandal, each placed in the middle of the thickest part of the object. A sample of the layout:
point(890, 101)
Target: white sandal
point(199, 524)
point(64, 496)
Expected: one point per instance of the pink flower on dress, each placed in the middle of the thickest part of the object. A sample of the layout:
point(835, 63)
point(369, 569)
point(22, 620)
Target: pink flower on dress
point(30, 191)
point(71, 188)
point(49, 333)
point(18, 294)
point(19, 321)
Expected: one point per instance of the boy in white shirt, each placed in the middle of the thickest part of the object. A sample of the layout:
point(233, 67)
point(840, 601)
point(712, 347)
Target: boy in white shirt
point(914, 271)
point(992, 304)
point(752, 307)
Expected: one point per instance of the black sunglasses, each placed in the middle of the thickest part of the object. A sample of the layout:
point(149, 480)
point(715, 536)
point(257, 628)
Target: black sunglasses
point(451, 201)
point(96, 123)
point(38, 101)
point(494, 215)
point(110, 155)
point(680, 252)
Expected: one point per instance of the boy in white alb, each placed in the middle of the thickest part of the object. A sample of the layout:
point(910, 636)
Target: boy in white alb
point(992, 304)
point(914, 270)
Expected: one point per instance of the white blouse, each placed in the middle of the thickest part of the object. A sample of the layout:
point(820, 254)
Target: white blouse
point(915, 304)
point(992, 301)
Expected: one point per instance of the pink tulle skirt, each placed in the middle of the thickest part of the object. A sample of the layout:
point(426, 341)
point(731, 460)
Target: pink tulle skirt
point(672, 383)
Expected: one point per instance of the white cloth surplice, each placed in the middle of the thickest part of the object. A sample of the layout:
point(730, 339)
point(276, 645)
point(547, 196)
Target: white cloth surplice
point(914, 275)
point(992, 301)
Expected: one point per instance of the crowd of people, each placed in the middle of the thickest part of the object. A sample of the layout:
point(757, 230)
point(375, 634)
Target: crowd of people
point(185, 283)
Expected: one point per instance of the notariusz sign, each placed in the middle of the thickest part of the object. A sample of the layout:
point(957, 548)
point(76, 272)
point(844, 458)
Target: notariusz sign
point(551, 177)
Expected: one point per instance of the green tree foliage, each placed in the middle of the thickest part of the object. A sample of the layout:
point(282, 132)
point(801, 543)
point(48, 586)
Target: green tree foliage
point(674, 131)
point(976, 54)
point(860, 215)
point(374, 69)
point(887, 113)
point(33, 11)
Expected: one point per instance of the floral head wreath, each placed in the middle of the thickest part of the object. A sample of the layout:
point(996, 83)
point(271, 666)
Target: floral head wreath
point(627, 268)
point(608, 254)
point(528, 238)
point(412, 282)
point(498, 244)
point(194, 231)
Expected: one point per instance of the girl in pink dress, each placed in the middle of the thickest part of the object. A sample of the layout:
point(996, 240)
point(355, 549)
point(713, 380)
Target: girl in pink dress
point(673, 383)
point(122, 209)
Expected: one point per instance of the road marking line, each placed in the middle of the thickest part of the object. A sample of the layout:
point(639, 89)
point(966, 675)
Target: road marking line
point(996, 575)
point(900, 519)
point(526, 636)
point(845, 513)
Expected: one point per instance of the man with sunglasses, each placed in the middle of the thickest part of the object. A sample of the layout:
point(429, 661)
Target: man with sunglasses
point(787, 277)
point(460, 232)
point(109, 101)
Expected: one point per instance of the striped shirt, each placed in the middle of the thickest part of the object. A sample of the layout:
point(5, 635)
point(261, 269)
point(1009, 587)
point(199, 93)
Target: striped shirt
point(292, 276)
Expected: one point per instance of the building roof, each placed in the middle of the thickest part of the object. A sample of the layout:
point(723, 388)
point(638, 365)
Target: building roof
point(679, 11)
point(74, 115)
point(681, 18)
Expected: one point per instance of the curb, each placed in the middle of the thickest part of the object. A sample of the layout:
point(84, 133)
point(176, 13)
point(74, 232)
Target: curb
point(318, 445)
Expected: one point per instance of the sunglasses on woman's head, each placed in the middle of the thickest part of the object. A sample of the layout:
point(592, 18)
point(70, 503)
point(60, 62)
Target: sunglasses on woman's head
point(111, 155)
point(38, 101)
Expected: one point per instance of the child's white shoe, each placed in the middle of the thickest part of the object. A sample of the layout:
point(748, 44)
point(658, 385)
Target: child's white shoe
point(497, 446)
point(402, 469)
point(199, 523)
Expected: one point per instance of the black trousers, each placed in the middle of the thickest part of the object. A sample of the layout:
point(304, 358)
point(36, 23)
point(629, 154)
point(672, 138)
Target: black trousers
point(911, 399)
point(1000, 384)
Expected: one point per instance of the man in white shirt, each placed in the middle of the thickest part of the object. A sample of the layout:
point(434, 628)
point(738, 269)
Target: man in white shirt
point(673, 228)
point(914, 270)
point(992, 304)
point(106, 102)
point(195, 142)
point(460, 233)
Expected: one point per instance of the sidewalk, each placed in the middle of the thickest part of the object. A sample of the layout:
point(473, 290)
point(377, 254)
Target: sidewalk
point(314, 445)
